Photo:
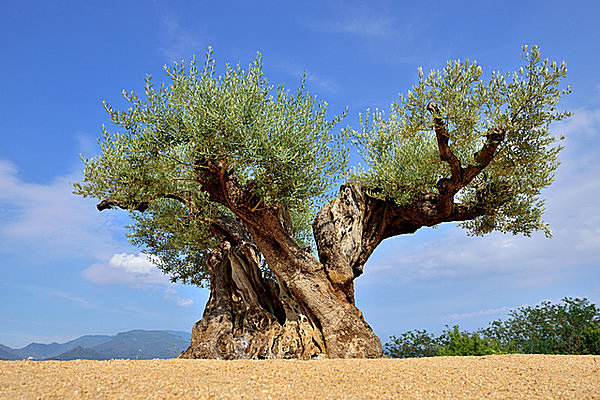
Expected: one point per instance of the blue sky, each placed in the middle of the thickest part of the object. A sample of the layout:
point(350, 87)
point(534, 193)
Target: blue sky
point(68, 270)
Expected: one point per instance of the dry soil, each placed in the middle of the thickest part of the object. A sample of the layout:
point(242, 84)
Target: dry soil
point(488, 377)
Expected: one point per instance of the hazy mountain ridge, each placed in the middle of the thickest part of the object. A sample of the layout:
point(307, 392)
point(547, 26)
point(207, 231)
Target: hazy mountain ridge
point(41, 351)
point(6, 353)
point(81, 353)
point(133, 344)
point(143, 345)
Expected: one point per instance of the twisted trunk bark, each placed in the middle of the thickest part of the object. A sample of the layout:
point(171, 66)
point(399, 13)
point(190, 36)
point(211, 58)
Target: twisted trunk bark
point(297, 315)
point(249, 315)
point(336, 327)
point(344, 330)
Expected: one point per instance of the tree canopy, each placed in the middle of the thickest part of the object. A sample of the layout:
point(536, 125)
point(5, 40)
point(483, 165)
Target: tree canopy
point(278, 142)
point(455, 135)
point(512, 111)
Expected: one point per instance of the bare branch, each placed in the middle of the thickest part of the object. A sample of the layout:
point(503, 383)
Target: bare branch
point(137, 206)
point(108, 203)
point(484, 156)
point(460, 177)
point(446, 154)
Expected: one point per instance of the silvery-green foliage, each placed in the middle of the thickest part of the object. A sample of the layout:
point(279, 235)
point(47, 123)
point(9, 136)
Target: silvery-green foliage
point(179, 240)
point(279, 142)
point(402, 153)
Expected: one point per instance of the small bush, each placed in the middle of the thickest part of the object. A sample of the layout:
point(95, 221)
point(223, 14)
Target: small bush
point(412, 344)
point(457, 343)
point(591, 339)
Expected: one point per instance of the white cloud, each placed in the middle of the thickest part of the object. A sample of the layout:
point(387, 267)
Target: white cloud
point(135, 264)
point(126, 269)
point(47, 221)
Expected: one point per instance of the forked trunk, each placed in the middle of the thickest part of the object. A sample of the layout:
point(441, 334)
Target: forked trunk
point(296, 314)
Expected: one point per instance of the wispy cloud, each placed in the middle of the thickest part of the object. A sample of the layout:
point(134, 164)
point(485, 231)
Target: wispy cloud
point(480, 313)
point(64, 295)
point(361, 21)
point(325, 83)
point(377, 34)
point(496, 311)
point(179, 43)
point(49, 219)
point(583, 124)
point(78, 300)
point(596, 96)
point(171, 295)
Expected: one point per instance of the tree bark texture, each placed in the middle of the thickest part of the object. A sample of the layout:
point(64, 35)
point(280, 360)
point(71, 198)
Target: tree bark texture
point(304, 286)
point(248, 315)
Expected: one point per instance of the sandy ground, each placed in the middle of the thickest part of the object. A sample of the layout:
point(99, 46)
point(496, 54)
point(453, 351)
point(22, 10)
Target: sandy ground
point(488, 377)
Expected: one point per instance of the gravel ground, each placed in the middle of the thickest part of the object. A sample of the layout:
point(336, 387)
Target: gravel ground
point(488, 377)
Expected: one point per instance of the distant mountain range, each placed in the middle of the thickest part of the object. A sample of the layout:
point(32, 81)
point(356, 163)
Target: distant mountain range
point(136, 344)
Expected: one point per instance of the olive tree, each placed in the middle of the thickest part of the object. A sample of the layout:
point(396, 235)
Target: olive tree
point(227, 181)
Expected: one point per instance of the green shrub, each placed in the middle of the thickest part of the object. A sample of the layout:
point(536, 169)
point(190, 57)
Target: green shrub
point(591, 339)
point(457, 343)
point(570, 327)
point(548, 328)
point(412, 344)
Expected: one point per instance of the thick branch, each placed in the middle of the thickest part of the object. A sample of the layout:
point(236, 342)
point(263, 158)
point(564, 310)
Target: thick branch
point(460, 177)
point(446, 154)
point(447, 187)
point(349, 228)
point(484, 156)
point(136, 206)
point(224, 188)
point(107, 203)
point(231, 227)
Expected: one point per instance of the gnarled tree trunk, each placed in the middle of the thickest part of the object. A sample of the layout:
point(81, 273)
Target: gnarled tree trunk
point(308, 309)
point(303, 312)
point(304, 307)
point(249, 315)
